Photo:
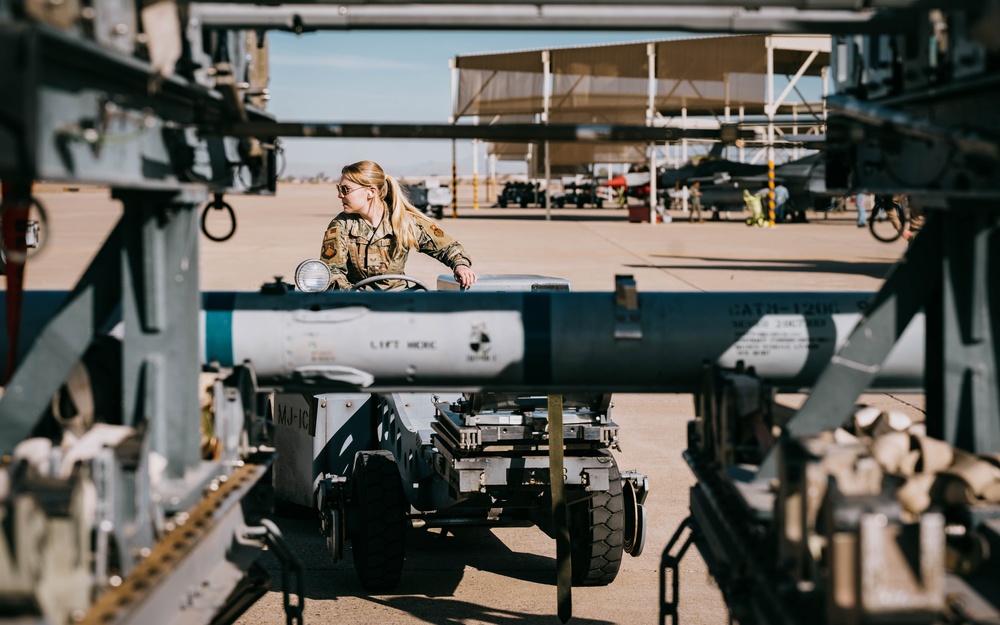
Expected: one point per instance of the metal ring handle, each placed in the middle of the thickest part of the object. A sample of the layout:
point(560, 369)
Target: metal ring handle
point(218, 204)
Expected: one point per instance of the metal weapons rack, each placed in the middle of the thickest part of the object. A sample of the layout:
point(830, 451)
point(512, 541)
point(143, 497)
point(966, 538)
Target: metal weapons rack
point(165, 103)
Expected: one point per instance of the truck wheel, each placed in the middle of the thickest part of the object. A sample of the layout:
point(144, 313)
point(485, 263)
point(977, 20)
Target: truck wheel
point(377, 541)
point(596, 534)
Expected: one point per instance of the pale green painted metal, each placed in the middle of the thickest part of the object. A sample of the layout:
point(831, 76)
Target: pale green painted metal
point(61, 344)
point(160, 303)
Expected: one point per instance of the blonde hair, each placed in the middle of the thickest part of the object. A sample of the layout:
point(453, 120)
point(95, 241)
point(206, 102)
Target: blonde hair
point(402, 214)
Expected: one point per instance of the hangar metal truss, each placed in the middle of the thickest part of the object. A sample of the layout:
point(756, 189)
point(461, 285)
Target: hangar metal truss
point(686, 83)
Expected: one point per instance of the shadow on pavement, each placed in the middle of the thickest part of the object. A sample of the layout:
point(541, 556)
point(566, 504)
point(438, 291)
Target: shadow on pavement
point(872, 269)
point(451, 612)
point(621, 216)
point(435, 561)
point(537, 216)
point(449, 554)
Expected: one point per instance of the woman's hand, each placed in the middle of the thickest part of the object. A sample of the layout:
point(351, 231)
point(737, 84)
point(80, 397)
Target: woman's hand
point(465, 276)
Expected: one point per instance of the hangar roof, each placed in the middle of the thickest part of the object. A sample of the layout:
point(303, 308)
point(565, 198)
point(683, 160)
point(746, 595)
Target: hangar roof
point(614, 79)
point(612, 83)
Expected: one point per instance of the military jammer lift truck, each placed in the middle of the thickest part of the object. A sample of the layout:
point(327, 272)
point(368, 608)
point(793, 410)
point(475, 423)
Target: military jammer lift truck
point(376, 464)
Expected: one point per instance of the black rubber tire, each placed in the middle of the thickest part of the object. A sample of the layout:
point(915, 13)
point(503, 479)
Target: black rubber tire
point(881, 227)
point(378, 536)
point(596, 534)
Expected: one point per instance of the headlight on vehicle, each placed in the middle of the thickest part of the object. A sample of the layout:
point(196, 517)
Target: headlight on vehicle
point(312, 276)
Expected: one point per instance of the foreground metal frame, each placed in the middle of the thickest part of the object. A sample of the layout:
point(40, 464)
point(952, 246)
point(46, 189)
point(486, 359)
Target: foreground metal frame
point(744, 18)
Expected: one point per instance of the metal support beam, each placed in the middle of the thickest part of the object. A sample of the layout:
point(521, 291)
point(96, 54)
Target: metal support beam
point(948, 269)
point(862, 356)
point(963, 396)
point(525, 15)
point(546, 108)
point(160, 301)
point(795, 79)
point(533, 133)
point(650, 116)
point(61, 344)
point(78, 111)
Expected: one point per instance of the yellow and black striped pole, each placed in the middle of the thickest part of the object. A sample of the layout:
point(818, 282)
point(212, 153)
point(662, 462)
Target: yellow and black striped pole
point(770, 191)
point(475, 175)
point(489, 178)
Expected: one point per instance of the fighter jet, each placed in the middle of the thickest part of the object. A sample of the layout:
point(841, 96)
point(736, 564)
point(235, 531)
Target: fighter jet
point(805, 179)
point(707, 170)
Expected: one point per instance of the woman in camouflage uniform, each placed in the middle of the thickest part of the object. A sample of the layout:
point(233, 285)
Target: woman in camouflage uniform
point(374, 234)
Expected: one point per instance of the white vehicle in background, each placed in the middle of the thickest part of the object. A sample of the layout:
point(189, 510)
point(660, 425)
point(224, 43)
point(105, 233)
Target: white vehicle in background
point(429, 196)
point(438, 196)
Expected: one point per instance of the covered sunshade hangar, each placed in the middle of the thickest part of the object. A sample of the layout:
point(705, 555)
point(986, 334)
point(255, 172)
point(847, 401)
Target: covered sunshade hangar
point(686, 83)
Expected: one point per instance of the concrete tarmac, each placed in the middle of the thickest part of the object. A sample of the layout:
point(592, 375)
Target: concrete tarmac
point(507, 576)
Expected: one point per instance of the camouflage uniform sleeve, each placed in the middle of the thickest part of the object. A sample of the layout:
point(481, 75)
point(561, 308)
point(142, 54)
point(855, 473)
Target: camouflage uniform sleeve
point(435, 243)
point(334, 254)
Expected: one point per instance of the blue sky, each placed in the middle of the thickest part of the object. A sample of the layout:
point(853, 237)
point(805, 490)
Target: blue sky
point(387, 76)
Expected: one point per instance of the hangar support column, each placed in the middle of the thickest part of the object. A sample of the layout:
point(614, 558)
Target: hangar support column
point(650, 115)
point(546, 107)
point(770, 130)
point(454, 157)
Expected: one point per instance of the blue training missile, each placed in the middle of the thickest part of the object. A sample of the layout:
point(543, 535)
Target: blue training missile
point(533, 341)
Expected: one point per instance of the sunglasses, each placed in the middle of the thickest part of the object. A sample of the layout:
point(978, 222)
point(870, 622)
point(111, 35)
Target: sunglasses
point(343, 189)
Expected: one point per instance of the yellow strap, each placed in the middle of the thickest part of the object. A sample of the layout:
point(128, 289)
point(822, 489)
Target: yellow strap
point(560, 518)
